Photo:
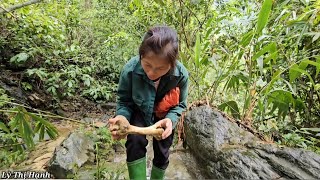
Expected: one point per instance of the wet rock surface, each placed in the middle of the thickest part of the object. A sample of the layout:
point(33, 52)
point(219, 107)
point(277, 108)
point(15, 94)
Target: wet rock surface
point(225, 151)
point(74, 152)
point(182, 165)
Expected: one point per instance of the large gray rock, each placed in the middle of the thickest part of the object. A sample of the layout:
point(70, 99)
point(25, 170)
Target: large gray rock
point(73, 153)
point(226, 151)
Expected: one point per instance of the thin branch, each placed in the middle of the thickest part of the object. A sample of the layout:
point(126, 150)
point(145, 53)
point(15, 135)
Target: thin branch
point(11, 145)
point(27, 107)
point(194, 14)
point(270, 118)
point(18, 6)
point(56, 116)
point(182, 24)
point(4, 9)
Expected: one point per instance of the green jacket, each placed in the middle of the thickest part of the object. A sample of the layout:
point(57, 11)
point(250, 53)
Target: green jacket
point(136, 90)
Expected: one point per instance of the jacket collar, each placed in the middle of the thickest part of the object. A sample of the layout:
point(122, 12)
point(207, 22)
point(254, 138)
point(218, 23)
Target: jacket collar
point(139, 70)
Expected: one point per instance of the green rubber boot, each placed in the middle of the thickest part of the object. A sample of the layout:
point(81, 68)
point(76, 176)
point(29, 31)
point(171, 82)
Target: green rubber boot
point(137, 169)
point(157, 173)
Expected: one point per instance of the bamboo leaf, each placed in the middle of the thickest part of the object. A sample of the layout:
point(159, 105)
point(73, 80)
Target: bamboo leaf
point(303, 65)
point(36, 129)
point(39, 119)
point(318, 69)
point(304, 72)
point(208, 23)
point(41, 133)
point(316, 37)
point(48, 125)
point(290, 87)
point(206, 46)
point(275, 77)
point(232, 106)
point(138, 3)
point(197, 50)
point(28, 134)
point(4, 127)
point(208, 33)
point(19, 121)
point(281, 100)
point(273, 56)
point(293, 74)
point(160, 2)
point(264, 15)
point(51, 133)
point(317, 64)
point(271, 48)
point(312, 63)
point(246, 39)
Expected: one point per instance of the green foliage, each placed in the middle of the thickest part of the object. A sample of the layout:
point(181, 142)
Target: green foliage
point(18, 133)
point(19, 58)
point(97, 91)
point(9, 157)
point(231, 106)
point(61, 45)
point(21, 126)
point(102, 169)
point(197, 51)
point(257, 61)
point(103, 151)
point(4, 98)
point(105, 172)
point(26, 86)
point(263, 15)
point(299, 138)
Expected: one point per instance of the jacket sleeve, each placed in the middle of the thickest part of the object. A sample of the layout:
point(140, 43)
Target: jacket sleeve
point(124, 100)
point(175, 112)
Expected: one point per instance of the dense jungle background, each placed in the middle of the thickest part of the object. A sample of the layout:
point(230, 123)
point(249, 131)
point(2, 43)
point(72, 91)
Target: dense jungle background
point(258, 61)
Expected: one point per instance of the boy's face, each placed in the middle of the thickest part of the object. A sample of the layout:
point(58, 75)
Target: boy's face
point(154, 66)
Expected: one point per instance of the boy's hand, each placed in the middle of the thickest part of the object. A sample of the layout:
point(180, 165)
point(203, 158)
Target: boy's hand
point(114, 133)
point(165, 123)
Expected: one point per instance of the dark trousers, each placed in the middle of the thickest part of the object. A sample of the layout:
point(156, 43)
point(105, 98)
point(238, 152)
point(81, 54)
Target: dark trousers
point(136, 145)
